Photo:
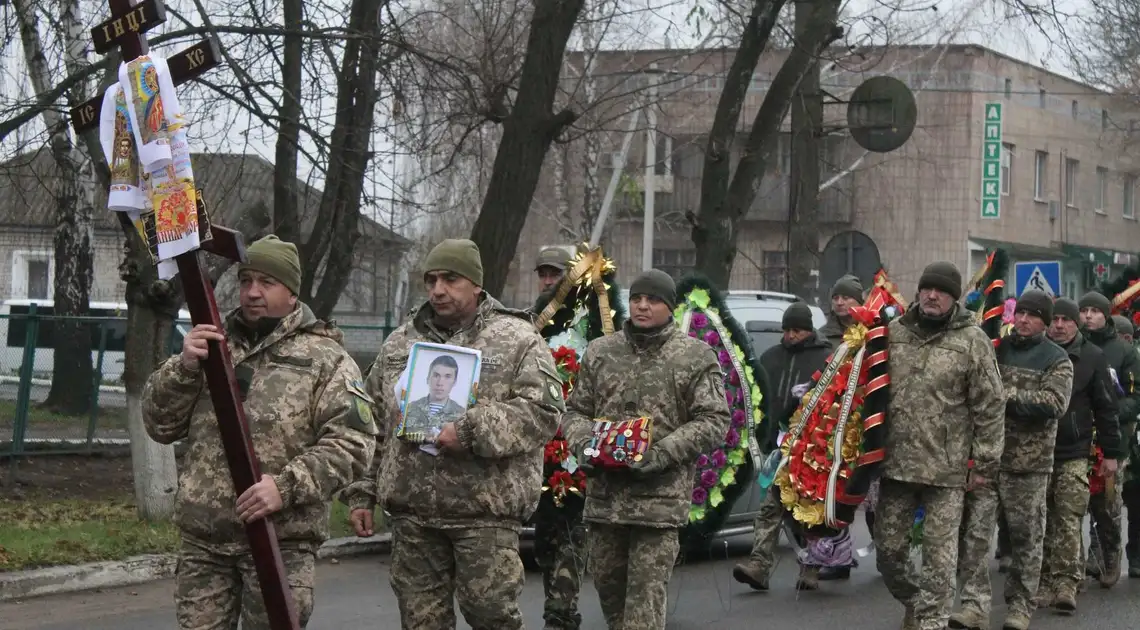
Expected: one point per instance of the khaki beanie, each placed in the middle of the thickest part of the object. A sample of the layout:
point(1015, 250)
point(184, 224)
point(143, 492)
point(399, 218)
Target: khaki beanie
point(657, 284)
point(848, 286)
point(1064, 307)
point(1097, 301)
point(1036, 303)
point(277, 258)
point(457, 255)
point(1123, 326)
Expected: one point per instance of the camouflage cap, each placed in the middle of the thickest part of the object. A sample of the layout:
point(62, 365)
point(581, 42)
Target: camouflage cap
point(552, 257)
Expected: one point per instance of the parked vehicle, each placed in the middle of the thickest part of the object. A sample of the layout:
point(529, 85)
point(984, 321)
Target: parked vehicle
point(13, 332)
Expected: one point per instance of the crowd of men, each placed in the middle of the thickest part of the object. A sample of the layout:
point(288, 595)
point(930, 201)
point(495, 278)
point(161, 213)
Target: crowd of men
point(974, 435)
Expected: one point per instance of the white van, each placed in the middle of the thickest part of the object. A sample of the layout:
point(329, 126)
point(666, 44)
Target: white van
point(13, 334)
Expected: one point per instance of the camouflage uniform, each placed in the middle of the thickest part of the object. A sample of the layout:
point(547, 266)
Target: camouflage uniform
point(1091, 405)
point(634, 522)
point(312, 430)
point(1106, 515)
point(946, 406)
point(456, 518)
point(974, 537)
point(1038, 376)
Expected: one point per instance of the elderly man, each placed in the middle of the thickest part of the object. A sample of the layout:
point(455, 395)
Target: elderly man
point(311, 426)
point(1092, 411)
point(456, 517)
point(947, 405)
point(1038, 378)
point(1099, 328)
point(649, 369)
point(790, 366)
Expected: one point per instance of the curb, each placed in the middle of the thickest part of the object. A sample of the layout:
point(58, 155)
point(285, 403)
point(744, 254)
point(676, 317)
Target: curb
point(148, 568)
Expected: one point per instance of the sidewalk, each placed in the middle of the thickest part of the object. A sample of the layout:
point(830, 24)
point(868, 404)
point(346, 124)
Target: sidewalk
point(69, 579)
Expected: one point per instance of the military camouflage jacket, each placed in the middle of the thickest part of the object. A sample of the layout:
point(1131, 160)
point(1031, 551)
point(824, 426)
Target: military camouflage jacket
point(666, 376)
point(309, 420)
point(947, 403)
point(497, 481)
point(1038, 379)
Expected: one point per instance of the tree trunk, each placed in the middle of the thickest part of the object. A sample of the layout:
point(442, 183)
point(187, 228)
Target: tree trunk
point(715, 231)
point(349, 157)
point(286, 212)
point(71, 370)
point(712, 231)
point(803, 207)
point(528, 130)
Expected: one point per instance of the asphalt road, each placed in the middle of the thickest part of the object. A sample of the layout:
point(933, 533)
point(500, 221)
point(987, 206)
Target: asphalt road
point(354, 593)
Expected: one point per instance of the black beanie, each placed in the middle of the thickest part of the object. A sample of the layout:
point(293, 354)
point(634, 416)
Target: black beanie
point(798, 315)
point(848, 286)
point(1036, 303)
point(1123, 326)
point(1064, 307)
point(655, 283)
point(1097, 301)
point(943, 276)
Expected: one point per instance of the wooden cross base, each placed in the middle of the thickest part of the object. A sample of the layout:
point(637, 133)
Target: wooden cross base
point(126, 28)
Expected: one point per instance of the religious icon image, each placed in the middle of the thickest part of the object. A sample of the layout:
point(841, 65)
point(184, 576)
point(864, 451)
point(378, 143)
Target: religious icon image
point(439, 383)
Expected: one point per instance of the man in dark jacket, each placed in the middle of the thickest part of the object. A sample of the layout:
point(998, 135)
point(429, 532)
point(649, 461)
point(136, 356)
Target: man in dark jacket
point(789, 366)
point(1099, 328)
point(846, 293)
point(1038, 379)
point(1091, 405)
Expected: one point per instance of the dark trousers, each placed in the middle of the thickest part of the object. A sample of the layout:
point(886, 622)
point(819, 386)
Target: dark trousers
point(1131, 496)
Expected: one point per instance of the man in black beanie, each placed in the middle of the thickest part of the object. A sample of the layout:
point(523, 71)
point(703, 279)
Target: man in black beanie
point(650, 369)
point(1038, 379)
point(846, 293)
point(1124, 328)
point(947, 406)
point(1124, 365)
point(1092, 409)
point(790, 366)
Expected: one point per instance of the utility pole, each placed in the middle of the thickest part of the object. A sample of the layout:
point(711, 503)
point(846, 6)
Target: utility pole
point(803, 190)
point(650, 172)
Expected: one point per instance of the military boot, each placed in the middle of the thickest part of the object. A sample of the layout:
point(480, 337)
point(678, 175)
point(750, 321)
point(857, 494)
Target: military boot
point(969, 619)
point(1016, 620)
point(1045, 595)
point(1111, 574)
point(808, 580)
point(752, 574)
point(1065, 601)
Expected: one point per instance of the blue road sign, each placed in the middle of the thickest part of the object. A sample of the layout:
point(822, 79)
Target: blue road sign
point(1043, 275)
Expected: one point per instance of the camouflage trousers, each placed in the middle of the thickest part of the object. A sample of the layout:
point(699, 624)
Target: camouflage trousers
point(766, 530)
point(932, 592)
point(479, 567)
point(974, 540)
point(1023, 499)
point(216, 585)
point(631, 567)
point(1067, 502)
point(1105, 525)
point(560, 550)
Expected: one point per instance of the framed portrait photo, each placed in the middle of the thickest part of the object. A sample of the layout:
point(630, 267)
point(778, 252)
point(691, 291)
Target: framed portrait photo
point(438, 385)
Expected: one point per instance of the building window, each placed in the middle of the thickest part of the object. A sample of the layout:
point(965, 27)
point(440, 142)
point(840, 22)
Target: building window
point(1129, 189)
point(776, 271)
point(1101, 189)
point(664, 165)
point(39, 279)
point(1006, 167)
point(1104, 120)
point(1071, 169)
point(1040, 175)
point(1008, 88)
point(675, 262)
point(1041, 98)
point(1076, 110)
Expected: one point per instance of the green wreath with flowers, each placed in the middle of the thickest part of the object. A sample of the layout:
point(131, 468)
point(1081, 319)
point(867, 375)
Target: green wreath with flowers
point(725, 473)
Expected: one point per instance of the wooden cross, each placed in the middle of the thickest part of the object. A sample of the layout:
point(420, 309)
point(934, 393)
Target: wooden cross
point(129, 21)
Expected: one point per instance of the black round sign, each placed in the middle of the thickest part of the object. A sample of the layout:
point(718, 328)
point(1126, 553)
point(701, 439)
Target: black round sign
point(881, 114)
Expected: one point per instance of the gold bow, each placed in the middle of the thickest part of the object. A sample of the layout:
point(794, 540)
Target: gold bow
point(886, 284)
point(586, 270)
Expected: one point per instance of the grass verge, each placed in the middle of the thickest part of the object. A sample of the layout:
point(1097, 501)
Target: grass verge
point(42, 419)
point(41, 533)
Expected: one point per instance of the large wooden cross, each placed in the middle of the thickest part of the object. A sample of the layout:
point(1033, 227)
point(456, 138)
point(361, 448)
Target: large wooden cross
point(129, 21)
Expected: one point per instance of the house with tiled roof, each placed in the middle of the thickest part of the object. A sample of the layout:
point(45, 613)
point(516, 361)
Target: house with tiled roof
point(27, 221)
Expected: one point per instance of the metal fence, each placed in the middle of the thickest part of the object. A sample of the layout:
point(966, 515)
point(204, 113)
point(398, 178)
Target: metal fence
point(26, 362)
